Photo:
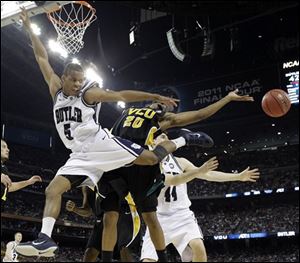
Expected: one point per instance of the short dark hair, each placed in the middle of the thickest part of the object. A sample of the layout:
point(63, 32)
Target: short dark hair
point(72, 67)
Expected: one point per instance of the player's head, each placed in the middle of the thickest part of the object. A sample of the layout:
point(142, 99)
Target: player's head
point(72, 79)
point(4, 151)
point(161, 138)
point(18, 237)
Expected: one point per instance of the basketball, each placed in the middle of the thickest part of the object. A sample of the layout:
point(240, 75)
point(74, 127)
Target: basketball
point(276, 103)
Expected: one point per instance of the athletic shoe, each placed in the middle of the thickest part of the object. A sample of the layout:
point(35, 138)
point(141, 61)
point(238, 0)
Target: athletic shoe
point(197, 138)
point(44, 246)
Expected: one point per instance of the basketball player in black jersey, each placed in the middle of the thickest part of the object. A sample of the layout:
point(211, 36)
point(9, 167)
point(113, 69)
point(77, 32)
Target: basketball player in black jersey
point(6, 184)
point(125, 224)
point(141, 125)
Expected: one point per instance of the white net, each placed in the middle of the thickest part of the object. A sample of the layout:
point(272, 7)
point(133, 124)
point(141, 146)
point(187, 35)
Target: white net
point(70, 22)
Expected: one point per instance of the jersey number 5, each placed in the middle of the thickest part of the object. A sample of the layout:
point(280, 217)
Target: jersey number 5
point(168, 194)
point(67, 129)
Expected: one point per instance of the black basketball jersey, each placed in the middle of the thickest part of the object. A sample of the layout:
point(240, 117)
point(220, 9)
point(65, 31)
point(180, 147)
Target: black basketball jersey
point(139, 125)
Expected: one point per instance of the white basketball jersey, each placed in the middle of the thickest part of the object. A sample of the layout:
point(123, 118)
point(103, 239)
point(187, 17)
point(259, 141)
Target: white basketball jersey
point(75, 120)
point(12, 254)
point(172, 198)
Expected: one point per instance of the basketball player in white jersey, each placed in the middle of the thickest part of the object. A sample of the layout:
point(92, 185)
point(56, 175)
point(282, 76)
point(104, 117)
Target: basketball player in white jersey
point(94, 149)
point(178, 222)
point(10, 253)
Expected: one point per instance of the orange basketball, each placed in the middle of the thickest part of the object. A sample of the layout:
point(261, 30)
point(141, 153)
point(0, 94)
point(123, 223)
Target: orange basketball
point(276, 103)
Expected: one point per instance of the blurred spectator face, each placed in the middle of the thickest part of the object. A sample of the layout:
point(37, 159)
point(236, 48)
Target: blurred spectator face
point(18, 237)
point(4, 151)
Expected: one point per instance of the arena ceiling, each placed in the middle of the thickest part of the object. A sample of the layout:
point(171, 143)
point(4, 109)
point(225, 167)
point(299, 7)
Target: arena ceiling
point(150, 62)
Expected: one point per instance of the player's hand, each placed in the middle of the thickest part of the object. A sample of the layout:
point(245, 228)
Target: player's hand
point(249, 175)
point(5, 180)
point(35, 179)
point(233, 96)
point(210, 165)
point(25, 19)
point(70, 206)
point(169, 102)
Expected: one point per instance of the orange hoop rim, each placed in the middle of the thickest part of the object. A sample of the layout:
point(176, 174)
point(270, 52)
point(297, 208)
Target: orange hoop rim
point(61, 23)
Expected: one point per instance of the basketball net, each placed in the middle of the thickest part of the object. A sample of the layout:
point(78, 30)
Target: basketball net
point(70, 22)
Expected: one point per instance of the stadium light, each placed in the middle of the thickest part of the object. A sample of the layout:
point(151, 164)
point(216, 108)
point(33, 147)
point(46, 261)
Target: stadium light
point(76, 61)
point(174, 48)
point(36, 29)
point(56, 47)
point(92, 75)
point(121, 104)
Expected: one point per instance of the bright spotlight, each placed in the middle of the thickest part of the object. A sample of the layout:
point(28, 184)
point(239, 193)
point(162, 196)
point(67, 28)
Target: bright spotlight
point(92, 75)
point(56, 47)
point(122, 104)
point(76, 61)
point(36, 29)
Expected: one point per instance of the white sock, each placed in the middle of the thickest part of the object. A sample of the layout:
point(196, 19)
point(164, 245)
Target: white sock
point(48, 225)
point(179, 142)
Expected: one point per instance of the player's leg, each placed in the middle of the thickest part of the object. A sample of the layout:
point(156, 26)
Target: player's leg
point(126, 255)
point(44, 246)
point(165, 148)
point(90, 254)
point(156, 234)
point(198, 249)
point(93, 247)
point(110, 205)
point(109, 235)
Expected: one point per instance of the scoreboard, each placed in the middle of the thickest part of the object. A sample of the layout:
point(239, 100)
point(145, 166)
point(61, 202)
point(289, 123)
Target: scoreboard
point(290, 79)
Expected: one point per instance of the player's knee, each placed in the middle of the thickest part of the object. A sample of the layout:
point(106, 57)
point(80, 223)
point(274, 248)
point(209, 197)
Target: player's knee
point(50, 191)
point(110, 219)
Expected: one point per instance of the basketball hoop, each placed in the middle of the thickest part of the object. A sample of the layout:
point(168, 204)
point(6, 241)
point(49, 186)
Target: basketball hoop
point(70, 22)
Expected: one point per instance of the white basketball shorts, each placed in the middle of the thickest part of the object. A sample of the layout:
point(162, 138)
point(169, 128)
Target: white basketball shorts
point(100, 154)
point(179, 228)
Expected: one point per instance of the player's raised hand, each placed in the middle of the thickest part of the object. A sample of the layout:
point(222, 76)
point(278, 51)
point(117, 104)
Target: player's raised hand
point(170, 102)
point(249, 175)
point(25, 19)
point(233, 96)
point(35, 179)
point(210, 165)
point(70, 206)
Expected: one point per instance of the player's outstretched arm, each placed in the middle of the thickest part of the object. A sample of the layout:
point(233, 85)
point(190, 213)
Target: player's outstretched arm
point(190, 117)
point(95, 95)
point(15, 186)
point(41, 56)
point(191, 174)
point(245, 176)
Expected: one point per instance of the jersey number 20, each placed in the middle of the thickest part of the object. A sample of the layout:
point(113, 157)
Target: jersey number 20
point(134, 122)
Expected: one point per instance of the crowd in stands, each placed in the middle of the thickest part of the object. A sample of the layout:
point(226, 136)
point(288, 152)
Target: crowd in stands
point(256, 219)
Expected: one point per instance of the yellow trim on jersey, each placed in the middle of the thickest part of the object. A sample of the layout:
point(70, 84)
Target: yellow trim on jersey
point(4, 194)
point(150, 137)
point(135, 217)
